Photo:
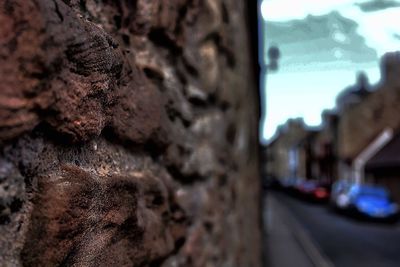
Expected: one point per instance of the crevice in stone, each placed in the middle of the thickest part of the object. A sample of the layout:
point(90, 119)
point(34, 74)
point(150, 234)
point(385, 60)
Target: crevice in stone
point(161, 39)
point(59, 14)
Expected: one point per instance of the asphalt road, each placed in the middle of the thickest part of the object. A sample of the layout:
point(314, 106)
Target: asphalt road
point(346, 241)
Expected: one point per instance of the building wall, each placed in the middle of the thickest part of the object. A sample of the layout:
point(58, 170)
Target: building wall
point(279, 150)
point(324, 155)
point(128, 134)
point(390, 181)
point(360, 124)
point(302, 163)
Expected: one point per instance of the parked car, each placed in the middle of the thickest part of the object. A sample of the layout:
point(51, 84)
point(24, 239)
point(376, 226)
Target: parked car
point(289, 184)
point(339, 198)
point(270, 182)
point(314, 190)
point(368, 201)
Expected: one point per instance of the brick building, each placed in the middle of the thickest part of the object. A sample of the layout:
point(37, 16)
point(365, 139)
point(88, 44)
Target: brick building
point(384, 167)
point(282, 158)
point(362, 124)
point(358, 141)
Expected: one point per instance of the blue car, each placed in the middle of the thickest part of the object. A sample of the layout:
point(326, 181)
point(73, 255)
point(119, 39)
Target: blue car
point(372, 201)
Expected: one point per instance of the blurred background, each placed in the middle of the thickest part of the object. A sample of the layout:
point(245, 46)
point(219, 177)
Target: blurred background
point(330, 131)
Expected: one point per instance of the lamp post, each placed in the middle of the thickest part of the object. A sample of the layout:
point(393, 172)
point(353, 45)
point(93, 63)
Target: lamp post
point(273, 56)
point(272, 65)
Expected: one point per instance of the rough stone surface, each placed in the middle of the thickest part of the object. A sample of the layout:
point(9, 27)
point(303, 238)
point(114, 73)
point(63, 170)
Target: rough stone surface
point(128, 134)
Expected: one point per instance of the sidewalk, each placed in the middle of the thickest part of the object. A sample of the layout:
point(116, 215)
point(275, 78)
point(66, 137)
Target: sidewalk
point(287, 243)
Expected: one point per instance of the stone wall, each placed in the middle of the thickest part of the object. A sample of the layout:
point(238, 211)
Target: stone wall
point(280, 149)
point(128, 134)
point(362, 123)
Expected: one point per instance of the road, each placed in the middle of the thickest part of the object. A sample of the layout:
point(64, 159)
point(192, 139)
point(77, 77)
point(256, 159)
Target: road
point(346, 241)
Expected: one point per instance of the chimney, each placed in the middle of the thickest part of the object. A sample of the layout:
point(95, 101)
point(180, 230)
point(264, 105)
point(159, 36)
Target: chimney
point(390, 68)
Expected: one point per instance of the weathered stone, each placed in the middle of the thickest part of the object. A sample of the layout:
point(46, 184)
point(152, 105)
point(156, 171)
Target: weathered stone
point(14, 208)
point(128, 134)
point(89, 85)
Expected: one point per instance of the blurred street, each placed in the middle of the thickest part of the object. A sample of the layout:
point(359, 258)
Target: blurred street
point(330, 133)
point(287, 243)
point(334, 239)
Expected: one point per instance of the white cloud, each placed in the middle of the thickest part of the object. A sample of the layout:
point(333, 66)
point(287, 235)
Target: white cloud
point(306, 94)
point(338, 54)
point(280, 10)
point(377, 27)
point(339, 37)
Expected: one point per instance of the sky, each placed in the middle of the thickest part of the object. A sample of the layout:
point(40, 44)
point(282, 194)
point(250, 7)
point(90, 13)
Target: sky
point(323, 44)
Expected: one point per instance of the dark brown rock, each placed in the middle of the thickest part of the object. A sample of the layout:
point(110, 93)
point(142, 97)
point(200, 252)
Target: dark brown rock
point(128, 134)
point(74, 77)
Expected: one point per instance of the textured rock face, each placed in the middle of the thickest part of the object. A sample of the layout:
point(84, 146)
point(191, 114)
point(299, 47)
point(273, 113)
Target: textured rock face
point(128, 134)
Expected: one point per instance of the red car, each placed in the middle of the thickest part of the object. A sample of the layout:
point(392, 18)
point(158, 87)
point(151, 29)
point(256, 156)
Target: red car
point(314, 190)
